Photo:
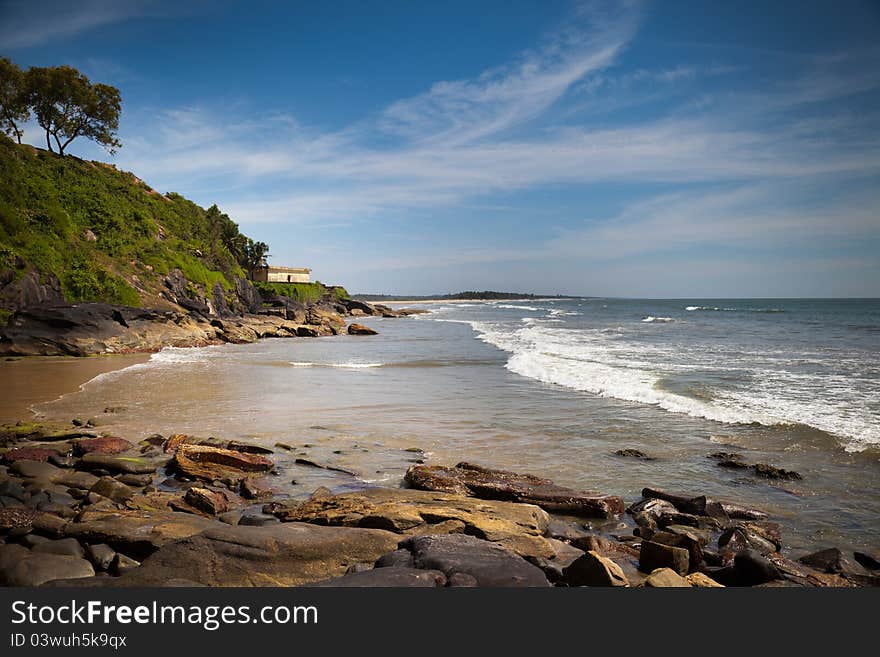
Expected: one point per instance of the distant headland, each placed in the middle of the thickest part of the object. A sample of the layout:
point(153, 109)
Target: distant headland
point(468, 295)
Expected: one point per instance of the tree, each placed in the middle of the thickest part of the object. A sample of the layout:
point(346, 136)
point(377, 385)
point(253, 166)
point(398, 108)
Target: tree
point(67, 105)
point(14, 108)
point(255, 254)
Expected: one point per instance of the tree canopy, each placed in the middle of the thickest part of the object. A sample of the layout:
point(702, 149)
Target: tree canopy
point(67, 105)
point(14, 109)
point(64, 102)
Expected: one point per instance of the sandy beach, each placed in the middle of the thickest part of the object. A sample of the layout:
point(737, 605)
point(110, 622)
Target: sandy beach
point(33, 380)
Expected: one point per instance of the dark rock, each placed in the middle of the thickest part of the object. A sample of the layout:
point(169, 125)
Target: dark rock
point(66, 546)
point(396, 559)
point(252, 489)
point(112, 489)
point(396, 577)
point(771, 472)
point(360, 329)
point(700, 505)
point(565, 531)
point(686, 540)
point(121, 464)
point(752, 568)
point(744, 535)
point(657, 555)
point(868, 561)
point(77, 480)
point(248, 448)
point(634, 453)
point(488, 563)
point(62, 461)
point(726, 456)
point(592, 569)
point(257, 519)
point(486, 483)
point(122, 564)
point(100, 555)
point(462, 581)
point(138, 481)
point(332, 468)
point(733, 465)
point(30, 540)
point(831, 560)
point(207, 500)
point(22, 567)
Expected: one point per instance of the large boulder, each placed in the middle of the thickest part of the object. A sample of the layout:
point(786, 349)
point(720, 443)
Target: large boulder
point(273, 555)
point(21, 567)
point(488, 563)
point(360, 329)
point(592, 569)
point(486, 483)
point(519, 527)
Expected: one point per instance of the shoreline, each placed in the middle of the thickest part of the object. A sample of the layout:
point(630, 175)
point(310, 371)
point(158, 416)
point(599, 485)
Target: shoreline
point(82, 509)
point(31, 380)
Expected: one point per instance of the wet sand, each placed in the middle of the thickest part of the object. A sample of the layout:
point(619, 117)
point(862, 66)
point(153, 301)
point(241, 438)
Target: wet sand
point(28, 381)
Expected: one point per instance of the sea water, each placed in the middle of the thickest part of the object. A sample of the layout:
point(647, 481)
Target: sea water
point(553, 387)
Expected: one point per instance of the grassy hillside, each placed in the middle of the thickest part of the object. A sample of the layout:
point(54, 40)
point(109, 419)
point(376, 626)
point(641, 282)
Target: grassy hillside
point(302, 292)
point(105, 234)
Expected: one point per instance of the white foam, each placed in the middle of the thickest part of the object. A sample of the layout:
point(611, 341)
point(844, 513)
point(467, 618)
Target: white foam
point(609, 366)
point(512, 307)
point(650, 319)
point(346, 365)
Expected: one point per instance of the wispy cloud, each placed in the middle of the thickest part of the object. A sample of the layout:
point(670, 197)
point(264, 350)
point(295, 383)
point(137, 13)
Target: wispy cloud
point(24, 23)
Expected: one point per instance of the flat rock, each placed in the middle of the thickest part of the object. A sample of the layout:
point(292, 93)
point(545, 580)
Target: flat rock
point(217, 464)
point(28, 454)
point(486, 483)
point(102, 445)
point(519, 527)
point(488, 563)
point(388, 577)
point(110, 488)
point(135, 532)
point(36, 470)
point(287, 554)
point(121, 464)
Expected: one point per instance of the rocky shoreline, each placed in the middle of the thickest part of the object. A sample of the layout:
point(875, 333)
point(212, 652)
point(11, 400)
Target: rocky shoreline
point(78, 508)
point(43, 326)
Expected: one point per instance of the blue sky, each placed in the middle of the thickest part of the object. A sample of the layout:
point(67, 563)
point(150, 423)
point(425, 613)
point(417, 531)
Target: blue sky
point(666, 149)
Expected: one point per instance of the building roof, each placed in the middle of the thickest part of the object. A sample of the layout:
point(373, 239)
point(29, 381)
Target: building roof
point(290, 270)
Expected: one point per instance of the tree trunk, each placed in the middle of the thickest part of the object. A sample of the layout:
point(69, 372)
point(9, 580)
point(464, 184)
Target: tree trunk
point(58, 142)
point(48, 143)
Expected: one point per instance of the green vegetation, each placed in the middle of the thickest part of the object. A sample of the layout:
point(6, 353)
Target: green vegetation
point(103, 233)
point(302, 292)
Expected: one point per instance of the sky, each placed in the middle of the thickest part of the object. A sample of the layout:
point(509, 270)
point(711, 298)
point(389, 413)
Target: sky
point(640, 149)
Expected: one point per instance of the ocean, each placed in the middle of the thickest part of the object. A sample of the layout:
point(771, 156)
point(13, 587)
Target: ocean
point(552, 387)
